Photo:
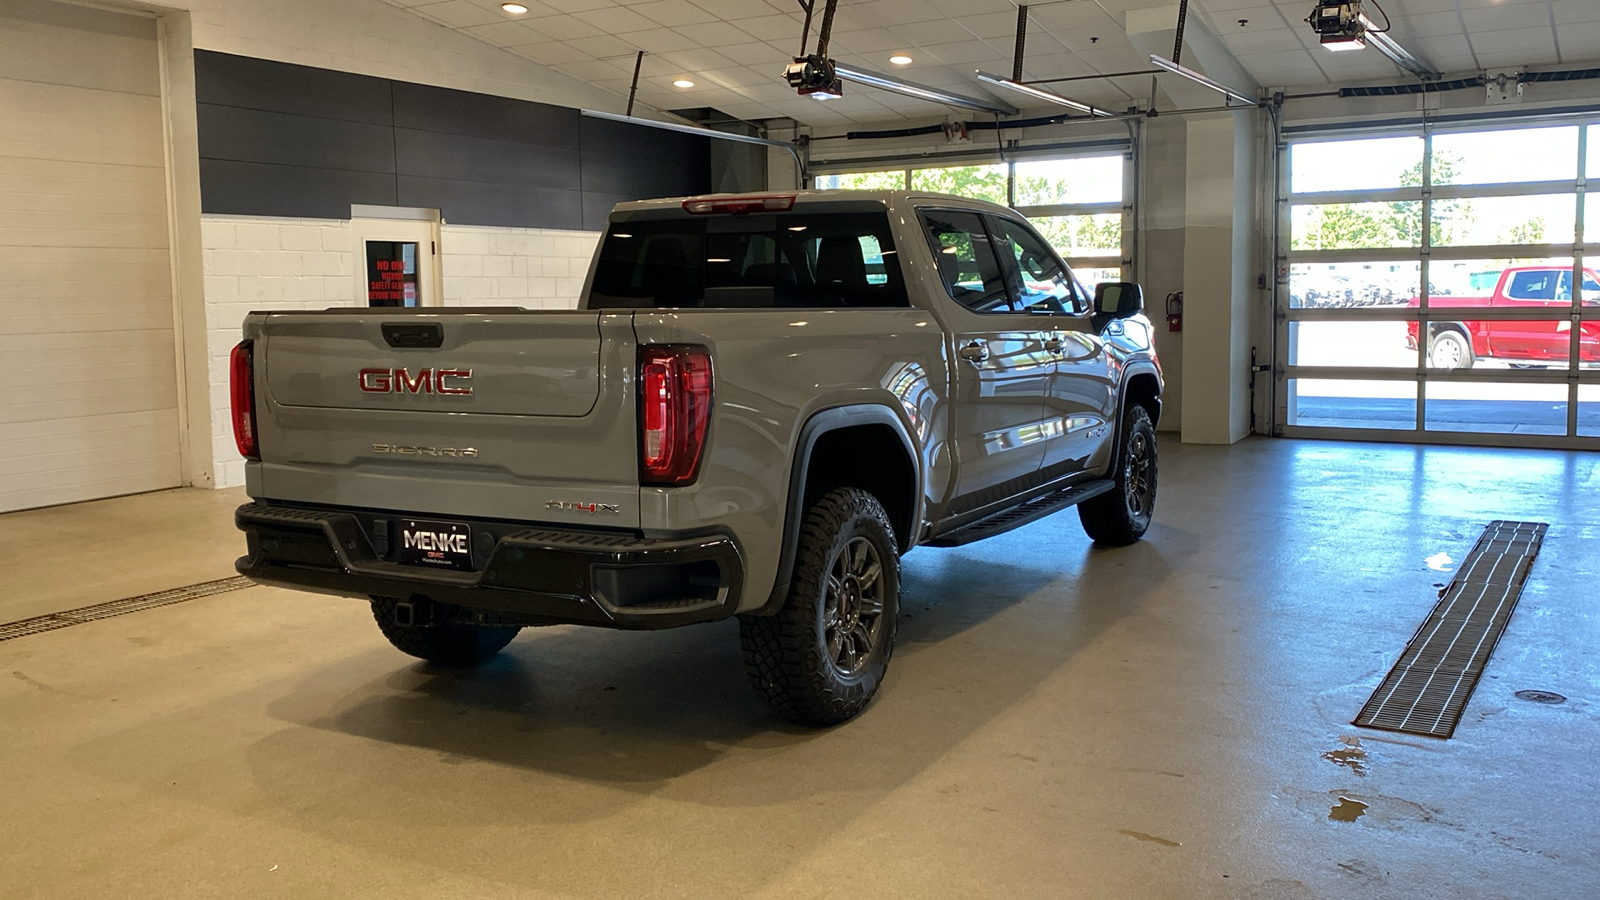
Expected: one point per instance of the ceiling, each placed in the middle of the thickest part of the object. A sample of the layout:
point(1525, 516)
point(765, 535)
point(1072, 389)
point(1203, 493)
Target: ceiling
point(734, 50)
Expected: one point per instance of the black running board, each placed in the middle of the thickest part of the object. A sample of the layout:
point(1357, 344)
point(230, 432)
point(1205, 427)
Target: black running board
point(1018, 516)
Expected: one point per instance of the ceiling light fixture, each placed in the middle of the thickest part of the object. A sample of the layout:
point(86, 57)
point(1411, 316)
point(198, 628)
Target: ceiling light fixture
point(516, 9)
point(1040, 94)
point(683, 83)
point(1231, 93)
point(701, 131)
point(900, 59)
point(920, 91)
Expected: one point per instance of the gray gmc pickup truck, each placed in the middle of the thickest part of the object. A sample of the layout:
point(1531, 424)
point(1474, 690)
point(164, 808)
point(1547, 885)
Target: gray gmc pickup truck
point(759, 405)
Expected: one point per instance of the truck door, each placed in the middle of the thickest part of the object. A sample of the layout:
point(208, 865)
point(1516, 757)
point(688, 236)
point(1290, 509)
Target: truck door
point(1079, 407)
point(1000, 368)
point(1535, 340)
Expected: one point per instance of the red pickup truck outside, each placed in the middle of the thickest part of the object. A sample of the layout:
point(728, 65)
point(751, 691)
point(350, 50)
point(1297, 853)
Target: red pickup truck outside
point(1458, 344)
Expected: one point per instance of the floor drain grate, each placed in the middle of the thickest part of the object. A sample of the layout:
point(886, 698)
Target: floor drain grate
point(38, 624)
point(1427, 690)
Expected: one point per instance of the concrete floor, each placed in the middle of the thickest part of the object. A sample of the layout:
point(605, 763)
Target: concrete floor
point(1165, 720)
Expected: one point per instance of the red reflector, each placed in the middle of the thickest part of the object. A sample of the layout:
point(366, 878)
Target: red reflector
point(739, 206)
point(242, 399)
point(674, 410)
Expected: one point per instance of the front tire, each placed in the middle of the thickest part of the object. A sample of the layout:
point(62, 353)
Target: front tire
point(821, 658)
point(1450, 350)
point(457, 645)
point(1122, 515)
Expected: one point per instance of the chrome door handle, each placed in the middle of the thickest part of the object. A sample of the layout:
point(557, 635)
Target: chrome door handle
point(975, 352)
point(1054, 345)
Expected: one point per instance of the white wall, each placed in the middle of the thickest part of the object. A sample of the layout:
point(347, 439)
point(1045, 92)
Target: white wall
point(535, 268)
point(260, 263)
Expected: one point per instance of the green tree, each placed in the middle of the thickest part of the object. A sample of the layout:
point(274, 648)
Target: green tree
point(977, 182)
point(1529, 232)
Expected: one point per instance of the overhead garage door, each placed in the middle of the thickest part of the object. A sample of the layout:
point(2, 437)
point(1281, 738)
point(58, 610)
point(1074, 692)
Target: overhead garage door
point(88, 387)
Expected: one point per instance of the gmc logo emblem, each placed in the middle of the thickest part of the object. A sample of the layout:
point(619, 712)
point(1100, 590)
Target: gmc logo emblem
point(426, 381)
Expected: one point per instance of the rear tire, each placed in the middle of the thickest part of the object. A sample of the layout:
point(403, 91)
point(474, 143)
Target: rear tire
point(1122, 515)
point(820, 659)
point(1450, 350)
point(454, 644)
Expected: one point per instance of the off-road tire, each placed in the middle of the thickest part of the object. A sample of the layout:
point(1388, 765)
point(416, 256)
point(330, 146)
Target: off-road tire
point(455, 644)
point(787, 655)
point(1464, 352)
point(1122, 515)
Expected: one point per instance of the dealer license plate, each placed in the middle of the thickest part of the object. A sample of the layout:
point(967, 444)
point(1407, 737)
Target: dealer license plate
point(445, 545)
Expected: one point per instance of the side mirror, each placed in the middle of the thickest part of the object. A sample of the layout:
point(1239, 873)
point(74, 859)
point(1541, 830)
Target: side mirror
point(1118, 299)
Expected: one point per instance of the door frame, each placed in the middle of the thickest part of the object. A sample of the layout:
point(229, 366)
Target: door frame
point(398, 223)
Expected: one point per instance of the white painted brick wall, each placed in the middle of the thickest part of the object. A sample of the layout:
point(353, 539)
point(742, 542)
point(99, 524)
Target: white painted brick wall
point(255, 262)
point(534, 268)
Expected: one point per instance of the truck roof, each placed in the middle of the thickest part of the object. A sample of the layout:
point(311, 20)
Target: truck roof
point(801, 197)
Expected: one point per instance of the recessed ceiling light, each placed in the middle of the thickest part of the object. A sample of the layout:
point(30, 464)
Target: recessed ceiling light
point(683, 83)
point(516, 9)
point(900, 59)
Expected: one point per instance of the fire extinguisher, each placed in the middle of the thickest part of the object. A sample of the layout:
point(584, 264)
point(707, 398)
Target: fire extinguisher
point(1175, 311)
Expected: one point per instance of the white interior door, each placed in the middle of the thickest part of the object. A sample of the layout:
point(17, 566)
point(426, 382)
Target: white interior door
point(396, 257)
point(90, 406)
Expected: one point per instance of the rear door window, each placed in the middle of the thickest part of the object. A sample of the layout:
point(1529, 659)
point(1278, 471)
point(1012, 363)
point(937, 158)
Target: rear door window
point(966, 259)
point(807, 258)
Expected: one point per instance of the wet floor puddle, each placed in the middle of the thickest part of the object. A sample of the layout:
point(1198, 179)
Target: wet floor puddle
point(1347, 810)
point(1352, 756)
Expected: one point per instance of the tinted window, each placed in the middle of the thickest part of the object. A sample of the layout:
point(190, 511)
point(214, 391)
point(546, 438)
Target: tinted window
point(799, 259)
point(967, 262)
point(1046, 285)
point(1538, 284)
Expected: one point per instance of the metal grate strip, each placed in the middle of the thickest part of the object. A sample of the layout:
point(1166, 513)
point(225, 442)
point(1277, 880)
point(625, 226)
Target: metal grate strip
point(40, 624)
point(1427, 690)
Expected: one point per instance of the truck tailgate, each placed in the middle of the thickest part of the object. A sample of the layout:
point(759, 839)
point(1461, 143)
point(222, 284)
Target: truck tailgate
point(508, 414)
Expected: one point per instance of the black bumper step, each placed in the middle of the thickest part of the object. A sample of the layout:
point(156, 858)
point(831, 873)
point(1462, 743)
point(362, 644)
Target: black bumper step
point(537, 575)
point(1018, 516)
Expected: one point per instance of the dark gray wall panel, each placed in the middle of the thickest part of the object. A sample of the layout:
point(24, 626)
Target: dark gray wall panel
point(463, 158)
point(597, 208)
point(477, 203)
point(227, 80)
point(285, 140)
point(260, 189)
point(253, 135)
point(425, 108)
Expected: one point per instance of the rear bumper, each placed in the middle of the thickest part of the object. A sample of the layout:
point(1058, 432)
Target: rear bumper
point(523, 575)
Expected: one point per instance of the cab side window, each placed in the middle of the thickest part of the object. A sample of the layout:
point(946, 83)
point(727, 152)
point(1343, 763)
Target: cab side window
point(967, 262)
point(1537, 284)
point(1044, 283)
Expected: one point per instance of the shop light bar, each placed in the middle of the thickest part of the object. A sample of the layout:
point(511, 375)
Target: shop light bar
point(1397, 54)
point(1040, 94)
point(699, 130)
point(920, 91)
point(1231, 93)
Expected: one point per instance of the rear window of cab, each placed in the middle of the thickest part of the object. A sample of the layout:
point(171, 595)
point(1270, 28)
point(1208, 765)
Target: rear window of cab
point(807, 258)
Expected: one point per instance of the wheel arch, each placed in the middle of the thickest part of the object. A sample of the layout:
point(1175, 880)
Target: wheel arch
point(865, 446)
point(1141, 384)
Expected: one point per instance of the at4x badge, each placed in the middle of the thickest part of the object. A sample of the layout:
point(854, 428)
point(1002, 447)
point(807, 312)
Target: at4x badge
point(590, 508)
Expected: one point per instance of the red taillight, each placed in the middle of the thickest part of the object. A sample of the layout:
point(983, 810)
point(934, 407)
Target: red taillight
point(674, 410)
point(242, 398)
point(739, 206)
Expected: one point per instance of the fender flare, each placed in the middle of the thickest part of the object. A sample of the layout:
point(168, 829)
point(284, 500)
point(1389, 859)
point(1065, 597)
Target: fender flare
point(1138, 367)
point(820, 423)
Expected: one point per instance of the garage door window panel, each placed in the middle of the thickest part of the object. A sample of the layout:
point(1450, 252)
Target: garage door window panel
point(1485, 407)
point(1352, 404)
